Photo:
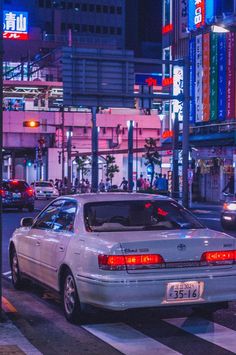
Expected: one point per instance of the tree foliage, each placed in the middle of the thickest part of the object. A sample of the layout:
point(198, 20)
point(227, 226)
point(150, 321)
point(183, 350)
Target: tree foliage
point(111, 167)
point(152, 155)
point(83, 163)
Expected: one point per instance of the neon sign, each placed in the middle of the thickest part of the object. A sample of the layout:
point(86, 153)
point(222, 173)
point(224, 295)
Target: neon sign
point(201, 12)
point(15, 25)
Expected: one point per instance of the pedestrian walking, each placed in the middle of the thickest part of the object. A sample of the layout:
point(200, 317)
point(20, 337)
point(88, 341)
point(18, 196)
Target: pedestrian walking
point(230, 185)
point(140, 183)
point(124, 184)
point(101, 186)
point(108, 184)
point(88, 187)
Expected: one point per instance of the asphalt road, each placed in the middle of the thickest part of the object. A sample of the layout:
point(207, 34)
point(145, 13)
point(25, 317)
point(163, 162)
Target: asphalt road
point(175, 330)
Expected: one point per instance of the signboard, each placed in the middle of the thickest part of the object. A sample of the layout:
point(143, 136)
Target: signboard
point(221, 76)
point(214, 77)
point(201, 12)
point(152, 79)
point(230, 75)
point(183, 19)
point(198, 84)
point(192, 57)
point(15, 25)
point(178, 88)
point(206, 77)
point(98, 77)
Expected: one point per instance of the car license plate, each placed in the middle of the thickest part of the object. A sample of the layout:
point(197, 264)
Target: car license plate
point(182, 291)
point(16, 195)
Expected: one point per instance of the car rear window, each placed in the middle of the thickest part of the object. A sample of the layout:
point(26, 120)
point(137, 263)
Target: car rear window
point(138, 215)
point(15, 186)
point(43, 184)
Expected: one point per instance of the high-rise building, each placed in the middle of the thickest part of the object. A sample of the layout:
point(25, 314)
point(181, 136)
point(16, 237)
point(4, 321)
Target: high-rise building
point(204, 31)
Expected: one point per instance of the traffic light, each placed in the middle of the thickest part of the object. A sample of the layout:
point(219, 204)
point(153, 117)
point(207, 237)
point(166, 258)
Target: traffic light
point(31, 124)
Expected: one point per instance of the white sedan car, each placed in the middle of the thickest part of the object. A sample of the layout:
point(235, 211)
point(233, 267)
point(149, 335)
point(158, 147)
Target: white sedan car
point(124, 250)
point(44, 189)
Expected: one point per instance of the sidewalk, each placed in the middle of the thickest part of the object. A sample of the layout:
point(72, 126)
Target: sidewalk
point(12, 341)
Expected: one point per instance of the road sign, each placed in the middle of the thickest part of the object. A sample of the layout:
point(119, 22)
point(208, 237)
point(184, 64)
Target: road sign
point(97, 77)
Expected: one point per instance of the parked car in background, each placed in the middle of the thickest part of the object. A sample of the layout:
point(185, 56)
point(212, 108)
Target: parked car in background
point(44, 189)
point(17, 194)
point(228, 214)
point(124, 250)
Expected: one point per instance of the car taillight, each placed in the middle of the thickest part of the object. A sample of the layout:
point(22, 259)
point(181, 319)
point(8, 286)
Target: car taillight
point(30, 192)
point(3, 193)
point(122, 262)
point(224, 257)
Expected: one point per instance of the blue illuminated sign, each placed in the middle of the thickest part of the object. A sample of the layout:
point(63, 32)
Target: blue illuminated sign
point(15, 25)
point(201, 12)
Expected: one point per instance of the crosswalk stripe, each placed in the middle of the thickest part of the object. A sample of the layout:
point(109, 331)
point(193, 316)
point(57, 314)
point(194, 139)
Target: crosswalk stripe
point(128, 340)
point(207, 330)
point(209, 219)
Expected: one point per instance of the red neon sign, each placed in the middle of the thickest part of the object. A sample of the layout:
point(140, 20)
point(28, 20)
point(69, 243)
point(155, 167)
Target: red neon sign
point(167, 28)
point(167, 134)
point(167, 81)
point(151, 81)
point(14, 35)
point(199, 17)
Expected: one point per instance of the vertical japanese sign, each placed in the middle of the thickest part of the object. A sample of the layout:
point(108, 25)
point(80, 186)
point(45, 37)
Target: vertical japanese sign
point(206, 77)
point(15, 25)
point(210, 11)
point(196, 14)
point(214, 77)
point(178, 87)
point(192, 57)
point(183, 19)
point(230, 75)
point(221, 76)
point(198, 83)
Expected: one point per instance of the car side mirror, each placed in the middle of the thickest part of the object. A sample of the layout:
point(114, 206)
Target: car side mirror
point(26, 222)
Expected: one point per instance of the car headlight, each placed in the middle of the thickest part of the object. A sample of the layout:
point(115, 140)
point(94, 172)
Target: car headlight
point(231, 206)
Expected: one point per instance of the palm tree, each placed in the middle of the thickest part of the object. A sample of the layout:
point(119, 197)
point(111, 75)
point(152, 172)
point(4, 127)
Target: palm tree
point(152, 156)
point(111, 167)
point(82, 162)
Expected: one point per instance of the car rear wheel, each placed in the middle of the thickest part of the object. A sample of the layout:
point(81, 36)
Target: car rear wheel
point(71, 301)
point(17, 280)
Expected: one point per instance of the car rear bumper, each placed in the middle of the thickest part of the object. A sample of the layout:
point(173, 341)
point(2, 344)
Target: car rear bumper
point(127, 294)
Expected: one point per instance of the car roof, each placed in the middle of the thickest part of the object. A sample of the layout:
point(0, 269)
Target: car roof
point(116, 196)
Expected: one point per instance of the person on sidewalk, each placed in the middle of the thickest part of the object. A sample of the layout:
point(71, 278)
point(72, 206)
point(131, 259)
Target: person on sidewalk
point(229, 186)
point(124, 184)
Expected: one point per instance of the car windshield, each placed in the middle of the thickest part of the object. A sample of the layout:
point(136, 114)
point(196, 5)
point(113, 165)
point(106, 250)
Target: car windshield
point(43, 184)
point(138, 215)
point(15, 185)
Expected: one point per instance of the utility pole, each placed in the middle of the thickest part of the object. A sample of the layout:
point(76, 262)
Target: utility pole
point(1, 141)
point(185, 143)
point(62, 143)
point(69, 134)
point(175, 171)
point(130, 154)
point(94, 151)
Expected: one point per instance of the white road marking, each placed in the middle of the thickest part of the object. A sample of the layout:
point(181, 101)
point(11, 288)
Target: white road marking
point(127, 340)
point(209, 218)
point(207, 330)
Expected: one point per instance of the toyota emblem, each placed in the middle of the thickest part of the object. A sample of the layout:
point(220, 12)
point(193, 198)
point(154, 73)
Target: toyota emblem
point(181, 247)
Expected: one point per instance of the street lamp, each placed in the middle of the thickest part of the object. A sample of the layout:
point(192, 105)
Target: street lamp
point(69, 135)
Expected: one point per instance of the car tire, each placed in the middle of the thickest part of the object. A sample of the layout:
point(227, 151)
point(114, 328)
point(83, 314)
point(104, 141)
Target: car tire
point(70, 299)
point(31, 208)
point(17, 280)
point(227, 225)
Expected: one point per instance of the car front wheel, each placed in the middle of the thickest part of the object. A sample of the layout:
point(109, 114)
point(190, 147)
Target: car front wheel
point(71, 301)
point(17, 280)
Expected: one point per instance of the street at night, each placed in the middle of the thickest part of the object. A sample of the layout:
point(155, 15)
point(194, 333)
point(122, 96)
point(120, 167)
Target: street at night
point(38, 314)
point(118, 177)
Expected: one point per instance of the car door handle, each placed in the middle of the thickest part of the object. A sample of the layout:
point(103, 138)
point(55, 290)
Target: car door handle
point(37, 243)
point(61, 248)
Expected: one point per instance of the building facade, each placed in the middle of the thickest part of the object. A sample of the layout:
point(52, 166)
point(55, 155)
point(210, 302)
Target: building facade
point(33, 88)
point(204, 31)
